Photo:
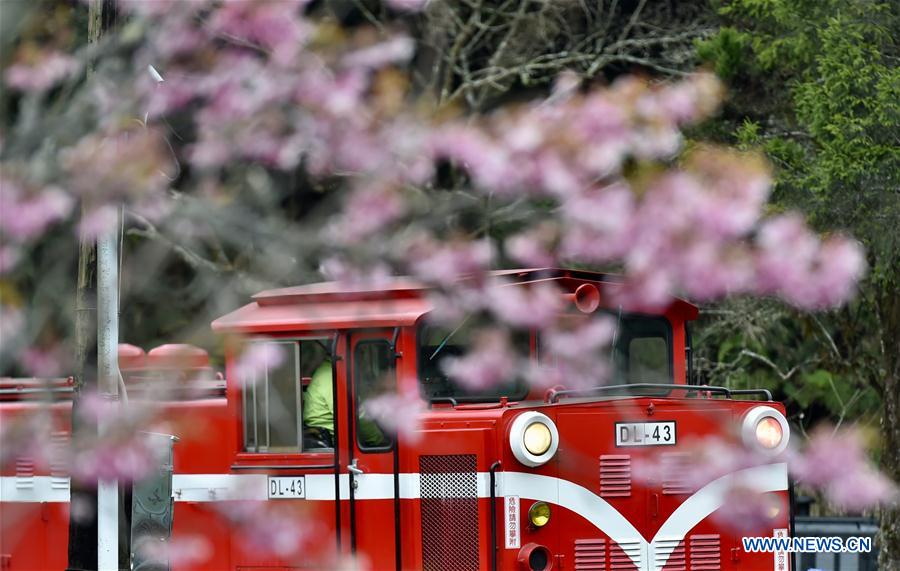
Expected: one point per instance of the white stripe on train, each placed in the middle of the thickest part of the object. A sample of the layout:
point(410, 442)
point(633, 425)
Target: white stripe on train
point(580, 500)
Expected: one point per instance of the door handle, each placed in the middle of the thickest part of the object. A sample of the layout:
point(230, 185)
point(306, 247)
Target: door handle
point(354, 469)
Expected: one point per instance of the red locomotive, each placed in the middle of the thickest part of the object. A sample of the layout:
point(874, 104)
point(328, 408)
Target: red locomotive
point(511, 478)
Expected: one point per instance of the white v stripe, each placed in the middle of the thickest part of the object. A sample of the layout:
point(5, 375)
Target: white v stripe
point(575, 498)
point(580, 500)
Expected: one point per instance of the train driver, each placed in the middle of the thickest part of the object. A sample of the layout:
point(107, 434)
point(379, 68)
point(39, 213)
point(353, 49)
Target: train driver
point(318, 413)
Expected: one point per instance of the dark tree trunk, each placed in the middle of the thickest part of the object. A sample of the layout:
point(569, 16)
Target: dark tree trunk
point(889, 557)
point(83, 499)
point(82, 554)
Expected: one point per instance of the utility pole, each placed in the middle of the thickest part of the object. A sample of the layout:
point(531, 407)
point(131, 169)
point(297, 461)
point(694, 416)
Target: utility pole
point(83, 536)
point(108, 381)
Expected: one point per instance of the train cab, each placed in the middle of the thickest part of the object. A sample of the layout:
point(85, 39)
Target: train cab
point(533, 475)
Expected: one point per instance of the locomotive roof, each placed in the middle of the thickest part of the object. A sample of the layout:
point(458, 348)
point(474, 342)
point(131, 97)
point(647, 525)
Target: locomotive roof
point(397, 302)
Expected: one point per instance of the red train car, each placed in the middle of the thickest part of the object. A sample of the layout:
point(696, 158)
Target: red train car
point(507, 478)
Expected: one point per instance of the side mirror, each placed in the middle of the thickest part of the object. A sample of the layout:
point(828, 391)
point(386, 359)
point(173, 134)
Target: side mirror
point(152, 509)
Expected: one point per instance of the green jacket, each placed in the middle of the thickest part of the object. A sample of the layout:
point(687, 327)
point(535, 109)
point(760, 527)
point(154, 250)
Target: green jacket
point(318, 408)
point(318, 403)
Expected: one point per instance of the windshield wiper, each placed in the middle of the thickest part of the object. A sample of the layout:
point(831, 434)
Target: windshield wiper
point(447, 338)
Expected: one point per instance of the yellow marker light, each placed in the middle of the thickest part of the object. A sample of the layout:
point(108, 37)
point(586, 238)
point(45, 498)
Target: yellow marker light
point(537, 438)
point(769, 433)
point(539, 514)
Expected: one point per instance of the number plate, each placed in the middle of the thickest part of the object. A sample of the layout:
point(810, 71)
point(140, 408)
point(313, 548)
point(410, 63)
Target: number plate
point(287, 487)
point(645, 433)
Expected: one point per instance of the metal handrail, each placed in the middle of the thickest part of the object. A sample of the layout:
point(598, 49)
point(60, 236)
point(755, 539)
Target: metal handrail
point(554, 396)
point(764, 392)
point(33, 390)
point(450, 400)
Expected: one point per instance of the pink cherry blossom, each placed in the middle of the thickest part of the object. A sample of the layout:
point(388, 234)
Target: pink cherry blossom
point(408, 5)
point(98, 221)
point(398, 49)
point(271, 24)
point(837, 464)
point(533, 307)
point(444, 264)
point(256, 358)
point(156, 7)
point(182, 551)
point(45, 362)
point(9, 257)
point(533, 248)
point(491, 362)
point(27, 214)
point(42, 71)
point(368, 210)
point(746, 511)
point(269, 529)
point(585, 338)
point(397, 413)
point(12, 321)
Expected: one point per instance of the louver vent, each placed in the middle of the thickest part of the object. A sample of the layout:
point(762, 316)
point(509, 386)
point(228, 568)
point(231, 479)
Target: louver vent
point(626, 556)
point(675, 471)
point(705, 553)
point(615, 475)
point(590, 555)
point(24, 472)
point(669, 554)
point(59, 479)
point(449, 508)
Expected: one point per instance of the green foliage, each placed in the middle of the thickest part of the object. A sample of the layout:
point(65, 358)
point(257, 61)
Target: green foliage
point(816, 85)
point(727, 51)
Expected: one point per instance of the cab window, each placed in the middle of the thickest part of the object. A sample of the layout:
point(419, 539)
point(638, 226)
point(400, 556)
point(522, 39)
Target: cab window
point(643, 351)
point(287, 398)
point(374, 376)
point(436, 344)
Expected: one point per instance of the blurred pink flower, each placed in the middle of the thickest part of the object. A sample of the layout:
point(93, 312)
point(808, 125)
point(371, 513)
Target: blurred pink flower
point(175, 552)
point(446, 263)
point(409, 5)
point(43, 362)
point(746, 511)
point(836, 463)
point(398, 49)
point(256, 358)
point(794, 264)
point(9, 257)
point(125, 453)
point(397, 413)
point(151, 8)
point(26, 215)
point(368, 210)
point(491, 362)
point(120, 166)
point(533, 249)
point(533, 307)
point(840, 265)
point(272, 24)
point(98, 221)
point(487, 162)
point(12, 321)
point(271, 530)
point(700, 461)
point(861, 489)
point(586, 338)
point(43, 71)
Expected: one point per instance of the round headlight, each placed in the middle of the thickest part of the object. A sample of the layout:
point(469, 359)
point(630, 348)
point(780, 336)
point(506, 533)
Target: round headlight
point(533, 438)
point(539, 514)
point(769, 433)
point(766, 429)
point(537, 438)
